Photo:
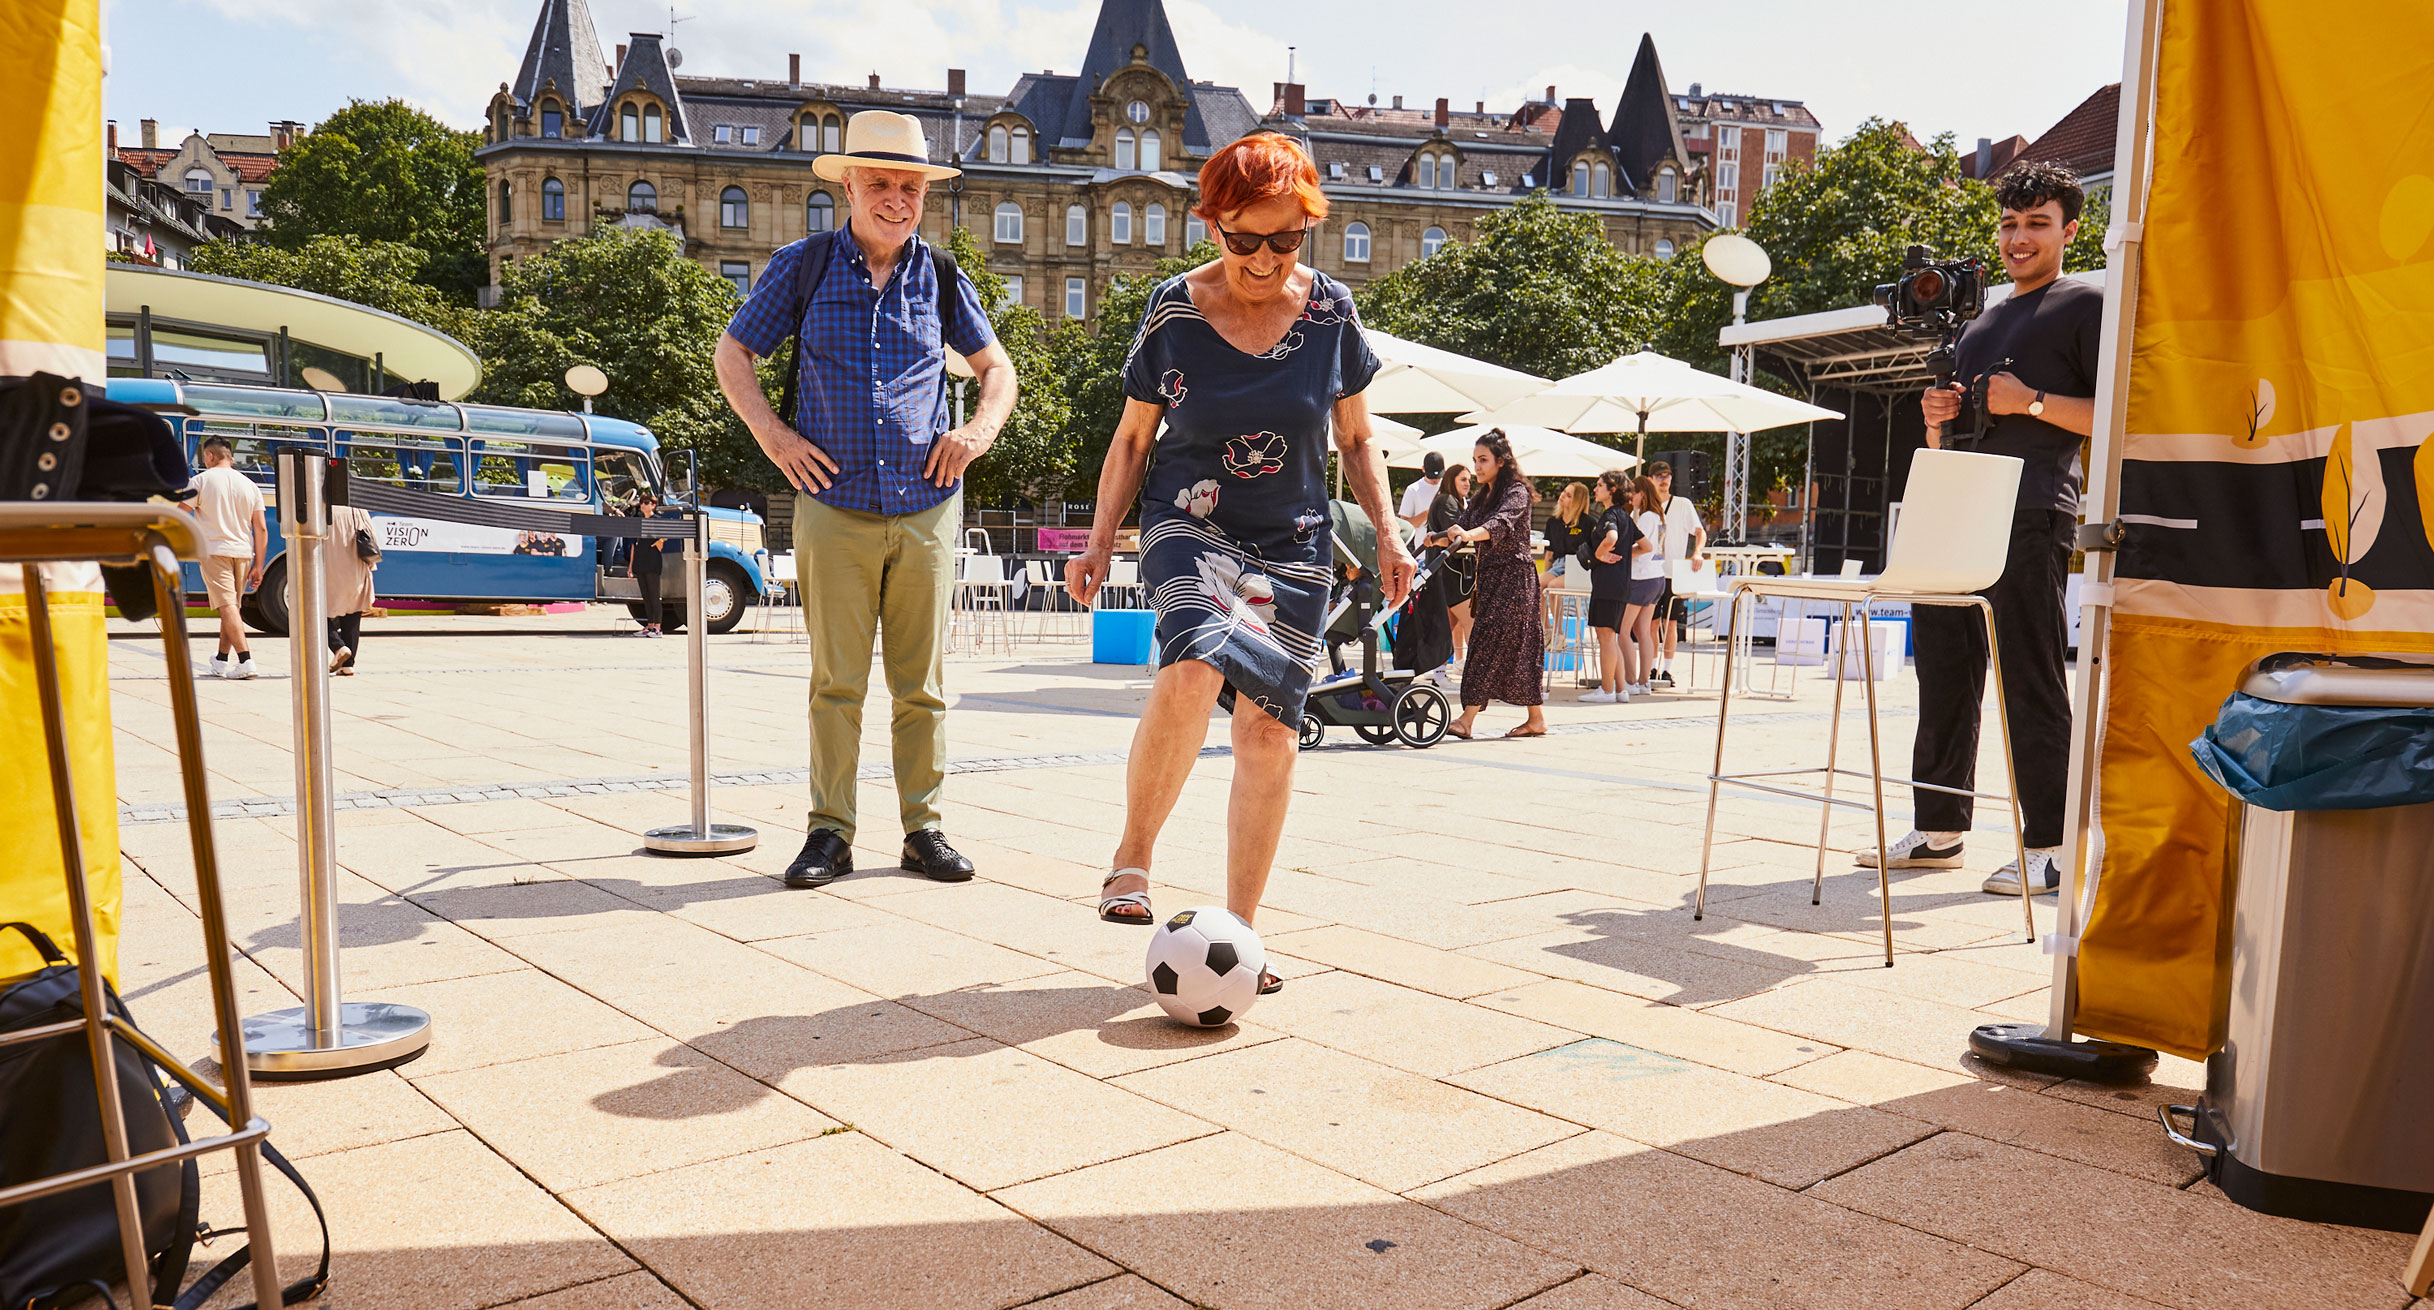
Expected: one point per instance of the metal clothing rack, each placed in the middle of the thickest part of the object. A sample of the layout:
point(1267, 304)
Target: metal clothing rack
point(155, 538)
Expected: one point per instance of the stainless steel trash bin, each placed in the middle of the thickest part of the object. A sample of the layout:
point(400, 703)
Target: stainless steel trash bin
point(2321, 1103)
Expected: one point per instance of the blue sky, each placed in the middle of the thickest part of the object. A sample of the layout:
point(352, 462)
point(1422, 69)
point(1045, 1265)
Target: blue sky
point(1992, 70)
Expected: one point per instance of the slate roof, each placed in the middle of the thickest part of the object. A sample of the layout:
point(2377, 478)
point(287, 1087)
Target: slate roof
point(646, 69)
point(565, 45)
point(1645, 131)
point(2083, 140)
point(1122, 25)
point(1768, 110)
point(1358, 145)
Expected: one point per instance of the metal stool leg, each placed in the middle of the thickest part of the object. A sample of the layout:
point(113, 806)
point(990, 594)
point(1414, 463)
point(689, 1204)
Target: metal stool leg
point(1715, 784)
point(1825, 817)
point(1876, 777)
point(2011, 771)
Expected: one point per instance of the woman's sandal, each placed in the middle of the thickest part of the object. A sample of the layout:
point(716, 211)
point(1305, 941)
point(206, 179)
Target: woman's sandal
point(1526, 730)
point(1110, 905)
point(1269, 983)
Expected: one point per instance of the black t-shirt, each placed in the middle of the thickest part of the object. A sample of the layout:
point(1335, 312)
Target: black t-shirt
point(2051, 337)
point(1564, 542)
point(1613, 581)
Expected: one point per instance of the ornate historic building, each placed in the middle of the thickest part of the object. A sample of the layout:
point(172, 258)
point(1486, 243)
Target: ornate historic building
point(1068, 178)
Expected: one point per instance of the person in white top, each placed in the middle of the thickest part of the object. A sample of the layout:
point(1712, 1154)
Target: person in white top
point(228, 508)
point(1421, 494)
point(1684, 550)
point(1647, 585)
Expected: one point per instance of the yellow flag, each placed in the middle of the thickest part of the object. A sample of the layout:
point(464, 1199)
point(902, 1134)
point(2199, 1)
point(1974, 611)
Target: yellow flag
point(51, 225)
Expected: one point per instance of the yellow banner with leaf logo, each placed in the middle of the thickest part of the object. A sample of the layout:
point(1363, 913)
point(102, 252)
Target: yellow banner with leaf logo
point(2278, 462)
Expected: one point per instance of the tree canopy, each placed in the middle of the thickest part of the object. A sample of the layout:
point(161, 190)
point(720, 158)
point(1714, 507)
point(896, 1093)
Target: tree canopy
point(385, 171)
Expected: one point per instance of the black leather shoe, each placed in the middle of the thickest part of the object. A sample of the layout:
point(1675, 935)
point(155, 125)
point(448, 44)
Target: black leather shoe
point(927, 853)
point(826, 857)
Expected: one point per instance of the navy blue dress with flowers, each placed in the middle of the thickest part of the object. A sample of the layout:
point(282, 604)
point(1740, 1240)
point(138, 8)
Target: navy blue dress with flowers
point(1234, 538)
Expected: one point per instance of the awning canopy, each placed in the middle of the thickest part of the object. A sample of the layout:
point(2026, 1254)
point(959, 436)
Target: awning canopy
point(407, 350)
point(1851, 348)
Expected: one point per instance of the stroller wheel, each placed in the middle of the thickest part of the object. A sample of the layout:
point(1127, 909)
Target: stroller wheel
point(1313, 731)
point(1376, 734)
point(1421, 714)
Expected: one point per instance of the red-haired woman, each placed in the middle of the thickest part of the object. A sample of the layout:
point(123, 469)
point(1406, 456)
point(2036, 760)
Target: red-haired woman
point(1245, 361)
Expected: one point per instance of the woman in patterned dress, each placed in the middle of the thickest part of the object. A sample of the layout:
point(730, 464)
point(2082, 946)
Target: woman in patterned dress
point(1244, 361)
point(1508, 642)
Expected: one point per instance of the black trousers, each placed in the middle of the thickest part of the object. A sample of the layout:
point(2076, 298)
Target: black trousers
point(646, 577)
point(346, 630)
point(1951, 647)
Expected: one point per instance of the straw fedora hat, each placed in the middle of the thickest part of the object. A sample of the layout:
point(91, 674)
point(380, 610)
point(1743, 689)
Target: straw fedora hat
point(881, 138)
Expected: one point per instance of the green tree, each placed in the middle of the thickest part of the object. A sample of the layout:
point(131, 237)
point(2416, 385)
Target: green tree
point(386, 275)
point(385, 171)
point(628, 301)
point(1089, 365)
point(1033, 458)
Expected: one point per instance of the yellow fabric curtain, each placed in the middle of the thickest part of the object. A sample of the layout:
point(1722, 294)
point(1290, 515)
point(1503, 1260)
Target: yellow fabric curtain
point(51, 226)
point(2277, 463)
point(32, 886)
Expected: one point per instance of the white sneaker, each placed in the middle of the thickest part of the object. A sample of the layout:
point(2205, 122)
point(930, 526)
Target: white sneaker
point(240, 670)
point(1640, 689)
point(219, 666)
point(2045, 876)
point(1600, 697)
point(1917, 850)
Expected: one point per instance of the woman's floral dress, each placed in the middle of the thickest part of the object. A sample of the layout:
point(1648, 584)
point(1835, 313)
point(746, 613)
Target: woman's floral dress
point(1234, 537)
point(1507, 655)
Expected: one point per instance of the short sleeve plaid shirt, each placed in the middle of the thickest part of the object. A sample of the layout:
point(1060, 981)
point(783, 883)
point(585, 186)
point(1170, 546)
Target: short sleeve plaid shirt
point(872, 379)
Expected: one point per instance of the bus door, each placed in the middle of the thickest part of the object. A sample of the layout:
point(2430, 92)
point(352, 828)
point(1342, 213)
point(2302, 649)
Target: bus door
point(620, 478)
point(524, 564)
point(419, 557)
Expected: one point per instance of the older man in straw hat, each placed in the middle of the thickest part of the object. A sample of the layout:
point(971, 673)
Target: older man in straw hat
point(877, 471)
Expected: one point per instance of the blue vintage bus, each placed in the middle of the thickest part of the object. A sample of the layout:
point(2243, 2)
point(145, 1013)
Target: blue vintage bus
point(545, 459)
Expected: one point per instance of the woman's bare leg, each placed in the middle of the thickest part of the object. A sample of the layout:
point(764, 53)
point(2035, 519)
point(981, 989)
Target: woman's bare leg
point(1461, 615)
point(1646, 632)
point(1635, 663)
point(1264, 751)
point(1164, 745)
point(1609, 657)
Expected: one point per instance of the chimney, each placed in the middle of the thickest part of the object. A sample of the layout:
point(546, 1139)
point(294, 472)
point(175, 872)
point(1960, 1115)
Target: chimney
point(874, 81)
point(1295, 106)
point(1694, 90)
point(113, 138)
point(794, 70)
point(1985, 157)
point(620, 64)
point(955, 83)
point(1445, 115)
point(1550, 93)
point(1398, 102)
point(152, 134)
point(1479, 108)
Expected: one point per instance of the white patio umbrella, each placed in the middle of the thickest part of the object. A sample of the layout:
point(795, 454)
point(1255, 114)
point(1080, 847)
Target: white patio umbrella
point(1391, 439)
point(1417, 379)
point(1541, 452)
point(1646, 392)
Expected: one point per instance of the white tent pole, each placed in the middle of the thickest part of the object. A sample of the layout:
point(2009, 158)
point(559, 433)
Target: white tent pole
point(2131, 164)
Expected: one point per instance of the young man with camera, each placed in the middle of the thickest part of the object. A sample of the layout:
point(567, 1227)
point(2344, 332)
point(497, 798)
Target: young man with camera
point(2024, 385)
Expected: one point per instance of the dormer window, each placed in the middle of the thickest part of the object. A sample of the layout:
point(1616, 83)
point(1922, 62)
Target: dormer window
point(997, 144)
point(1018, 145)
point(1668, 189)
point(1335, 172)
point(752, 134)
point(650, 124)
point(1150, 149)
point(629, 123)
point(1601, 181)
point(721, 134)
point(1137, 111)
point(1487, 179)
point(553, 122)
point(1124, 149)
point(1377, 173)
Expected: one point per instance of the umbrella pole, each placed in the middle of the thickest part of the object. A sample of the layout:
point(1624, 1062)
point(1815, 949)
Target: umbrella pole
point(1642, 452)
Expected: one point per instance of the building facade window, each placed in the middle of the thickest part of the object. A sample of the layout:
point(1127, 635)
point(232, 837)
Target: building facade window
point(553, 200)
point(1014, 288)
point(1077, 226)
point(1771, 172)
point(733, 209)
point(1580, 181)
point(1335, 171)
point(1377, 173)
point(1728, 142)
point(199, 182)
point(997, 144)
point(1777, 139)
point(819, 213)
point(507, 203)
point(629, 123)
point(1728, 177)
point(1194, 231)
point(1020, 146)
point(1432, 241)
point(1425, 176)
point(1124, 149)
point(651, 124)
point(721, 134)
point(1601, 181)
point(1009, 224)
point(1487, 179)
point(738, 275)
point(1119, 224)
point(642, 198)
point(1137, 111)
point(553, 123)
point(1724, 214)
point(1664, 249)
point(752, 134)
point(1668, 187)
point(1153, 225)
point(1152, 151)
point(1076, 304)
point(1356, 243)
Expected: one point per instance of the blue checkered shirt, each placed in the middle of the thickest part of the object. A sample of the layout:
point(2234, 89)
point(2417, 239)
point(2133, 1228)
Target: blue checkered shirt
point(872, 379)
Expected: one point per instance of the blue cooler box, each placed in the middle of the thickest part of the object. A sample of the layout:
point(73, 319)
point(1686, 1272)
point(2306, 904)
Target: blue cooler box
point(1123, 636)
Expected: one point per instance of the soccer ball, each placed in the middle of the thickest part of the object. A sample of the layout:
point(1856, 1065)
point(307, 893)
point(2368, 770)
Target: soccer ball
point(1204, 966)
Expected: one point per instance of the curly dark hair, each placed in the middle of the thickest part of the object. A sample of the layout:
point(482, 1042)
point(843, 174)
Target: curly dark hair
point(2026, 185)
point(1507, 471)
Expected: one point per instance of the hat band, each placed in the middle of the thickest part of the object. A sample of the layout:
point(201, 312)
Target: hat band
point(888, 155)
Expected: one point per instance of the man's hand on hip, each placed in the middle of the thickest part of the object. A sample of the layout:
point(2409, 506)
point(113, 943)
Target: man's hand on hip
point(807, 467)
point(955, 451)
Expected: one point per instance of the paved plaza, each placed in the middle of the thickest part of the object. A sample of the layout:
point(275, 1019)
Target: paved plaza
point(1507, 1067)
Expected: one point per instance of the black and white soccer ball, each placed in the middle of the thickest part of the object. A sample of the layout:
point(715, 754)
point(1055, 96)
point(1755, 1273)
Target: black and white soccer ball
point(1204, 966)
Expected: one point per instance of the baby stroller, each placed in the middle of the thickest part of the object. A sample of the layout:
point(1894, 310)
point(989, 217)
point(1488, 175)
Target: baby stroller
point(1382, 705)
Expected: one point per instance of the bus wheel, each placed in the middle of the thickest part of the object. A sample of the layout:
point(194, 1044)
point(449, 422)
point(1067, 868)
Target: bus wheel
point(265, 611)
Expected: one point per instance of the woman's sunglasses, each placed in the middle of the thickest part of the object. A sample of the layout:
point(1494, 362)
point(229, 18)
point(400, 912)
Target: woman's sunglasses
point(1248, 243)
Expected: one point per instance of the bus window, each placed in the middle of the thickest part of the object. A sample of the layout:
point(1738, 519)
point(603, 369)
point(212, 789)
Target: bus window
point(530, 470)
point(623, 475)
point(252, 445)
point(409, 463)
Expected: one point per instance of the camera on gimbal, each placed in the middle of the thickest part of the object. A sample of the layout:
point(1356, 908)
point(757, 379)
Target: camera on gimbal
point(1935, 297)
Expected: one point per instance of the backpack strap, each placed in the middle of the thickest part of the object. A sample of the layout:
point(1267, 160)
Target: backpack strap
point(810, 269)
point(943, 264)
point(40, 941)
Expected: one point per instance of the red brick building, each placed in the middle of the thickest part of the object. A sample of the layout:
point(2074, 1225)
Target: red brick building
point(1743, 143)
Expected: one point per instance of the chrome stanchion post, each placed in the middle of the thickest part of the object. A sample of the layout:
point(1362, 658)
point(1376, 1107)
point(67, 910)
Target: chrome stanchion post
point(701, 836)
point(326, 1037)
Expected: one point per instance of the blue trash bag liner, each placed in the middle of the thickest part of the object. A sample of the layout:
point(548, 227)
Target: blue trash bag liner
point(2319, 757)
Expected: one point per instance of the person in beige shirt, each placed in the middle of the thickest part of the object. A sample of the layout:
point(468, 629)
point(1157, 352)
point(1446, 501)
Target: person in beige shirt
point(228, 508)
point(346, 583)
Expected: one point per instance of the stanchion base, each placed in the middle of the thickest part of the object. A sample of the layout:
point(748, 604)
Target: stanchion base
point(371, 1035)
point(2025, 1046)
point(683, 839)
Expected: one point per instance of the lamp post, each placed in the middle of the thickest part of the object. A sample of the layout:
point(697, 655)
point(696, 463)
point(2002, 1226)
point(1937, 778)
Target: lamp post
point(1743, 263)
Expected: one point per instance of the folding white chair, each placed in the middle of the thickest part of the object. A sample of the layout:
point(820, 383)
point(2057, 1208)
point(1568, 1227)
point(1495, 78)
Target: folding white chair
point(1056, 611)
point(1124, 580)
point(773, 604)
point(1952, 542)
point(983, 598)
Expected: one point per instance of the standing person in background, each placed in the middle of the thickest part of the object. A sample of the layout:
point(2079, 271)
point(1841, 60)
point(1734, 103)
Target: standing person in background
point(1647, 583)
point(1684, 549)
point(235, 538)
point(648, 564)
point(1619, 544)
point(1574, 519)
point(1460, 572)
point(346, 578)
point(1421, 494)
point(1508, 641)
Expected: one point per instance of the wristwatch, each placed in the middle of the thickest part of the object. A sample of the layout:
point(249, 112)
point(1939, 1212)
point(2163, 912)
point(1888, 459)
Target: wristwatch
point(2036, 408)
